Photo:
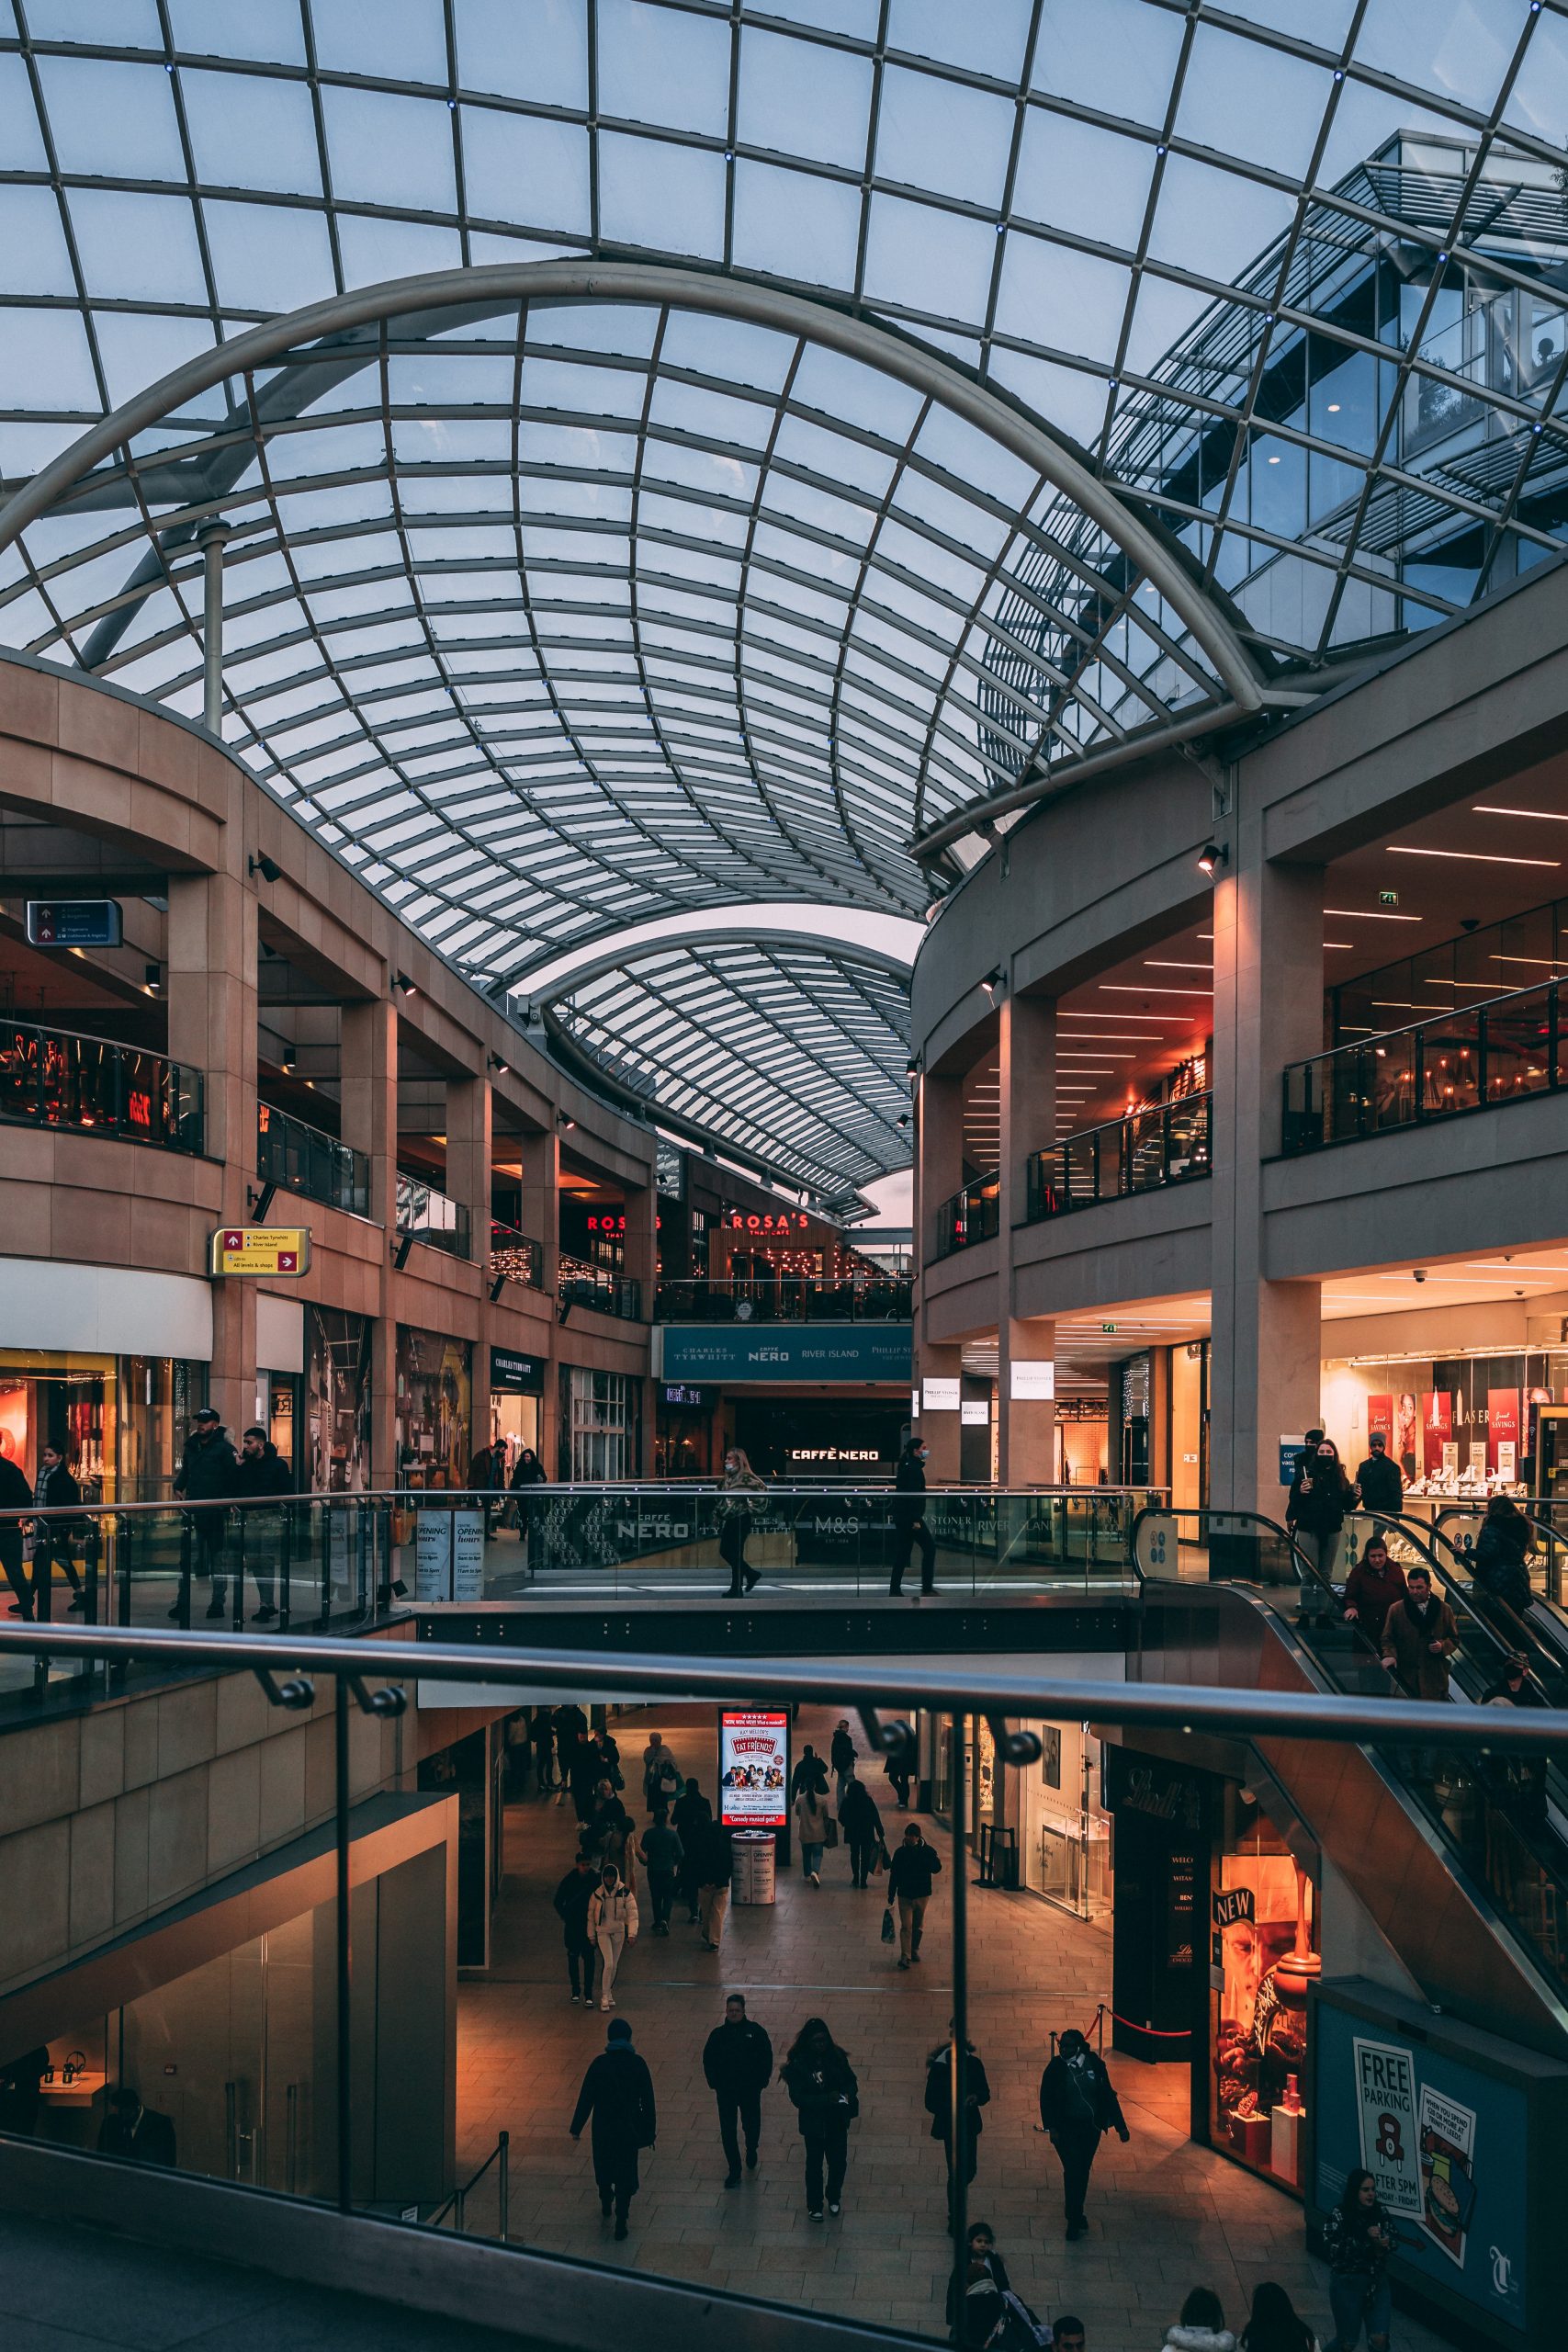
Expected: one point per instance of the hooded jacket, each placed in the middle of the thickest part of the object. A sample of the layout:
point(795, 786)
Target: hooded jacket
point(617, 2092)
point(207, 1467)
point(261, 1474)
point(1199, 2339)
point(613, 1907)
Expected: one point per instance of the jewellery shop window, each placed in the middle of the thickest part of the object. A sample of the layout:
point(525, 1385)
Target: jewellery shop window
point(1264, 1950)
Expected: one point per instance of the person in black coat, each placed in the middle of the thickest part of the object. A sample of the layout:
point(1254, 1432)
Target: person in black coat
point(826, 2096)
point(262, 1474)
point(811, 1772)
point(1078, 2105)
point(55, 1491)
point(738, 2060)
point(572, 1897)
point(21, 2092)
point(206, 1476)
point(1503, 1586)
point(139, 2134)
point(1321, 1495)
point(1379, 1479)
point(841, 1753)
point(15, 1495)
point(542, 1738)
point(689, 1816)
point(716, 1869)
point(528, 1472)
point(914, 1866)
point(617, 2092)
point(982, 2245)
point(939, 2107)
point(908, 1516)
point(861, 1825)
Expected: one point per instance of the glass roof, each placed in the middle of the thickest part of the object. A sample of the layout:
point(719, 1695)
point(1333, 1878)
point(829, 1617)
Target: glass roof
point(555, 616)
point(788, 1052)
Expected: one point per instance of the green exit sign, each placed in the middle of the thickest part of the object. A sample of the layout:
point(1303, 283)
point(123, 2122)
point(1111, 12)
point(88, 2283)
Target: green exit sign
point(1388, 898)
point(1108, 1327)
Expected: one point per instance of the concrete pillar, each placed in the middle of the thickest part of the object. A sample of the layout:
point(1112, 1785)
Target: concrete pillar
point(940, 1430)
point(470, 1115)
point(211, 993)
point(1268, 1011)
point(1026, 1427)
point(541, 1200)
point(940, 1154)
point(368, 1116)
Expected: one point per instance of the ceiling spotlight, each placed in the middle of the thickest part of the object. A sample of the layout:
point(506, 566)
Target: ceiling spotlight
point(903, 1119)
point(993, 982)
point(1212, 854)
point(564, 1123)
point(912, 1068)
point(404, 985)
point(153, 980)
point(267, 867)
point(287, 1061)
point(499, 1067)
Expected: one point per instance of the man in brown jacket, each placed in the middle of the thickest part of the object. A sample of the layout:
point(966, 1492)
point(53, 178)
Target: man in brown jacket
point(1419, 1635)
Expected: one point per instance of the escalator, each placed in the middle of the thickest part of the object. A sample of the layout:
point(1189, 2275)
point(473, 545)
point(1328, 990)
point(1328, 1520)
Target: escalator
point(1463, 1865)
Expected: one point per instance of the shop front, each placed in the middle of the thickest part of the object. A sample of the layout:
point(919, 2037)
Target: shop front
point(433, 1418)
point(333, 1456)
point(684, 1443)
point(120, 1421)
point(517, 1398)
point(1263, 1960)
point(601, 1426)
point(1063, 1830)
point(1461, 1427)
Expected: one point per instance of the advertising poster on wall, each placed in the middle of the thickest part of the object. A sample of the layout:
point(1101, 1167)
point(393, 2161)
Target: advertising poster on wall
point(1448, 2182)
point(1437, 1427)
point(1380, 1419)
point(1502, 1429)
point(753, 1768)
point(1385, 2088)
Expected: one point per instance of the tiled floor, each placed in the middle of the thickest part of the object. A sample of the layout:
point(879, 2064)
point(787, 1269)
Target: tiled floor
point(1163, 2215)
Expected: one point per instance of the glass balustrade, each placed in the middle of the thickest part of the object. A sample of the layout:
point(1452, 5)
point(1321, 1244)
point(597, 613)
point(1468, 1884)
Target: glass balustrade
point(1169, 1144)
point(431, 1216)
point(1473, 1058)
point(786, 1298)
point(969, 1216)
point(57, 1078)
point(305, 1159)
point(514, 1256)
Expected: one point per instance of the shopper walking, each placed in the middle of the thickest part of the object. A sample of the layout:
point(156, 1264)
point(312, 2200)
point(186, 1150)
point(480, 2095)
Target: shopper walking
point(916, 1863)
point(1321, 1495)
point(939, 2107)
point(841, 1754)
point(826, 2097)
point(261, 1477)
point(1275, 2324)
point(660, 1854)
point(663, 1778)
point(1372, 1589)
point(571, 1726)
point(861, 1825)
point(896, 1770)
point(1519, 1783)
point(736, 1522)
point(572, 1897)
point(1357, 2240)
point(813, 1827)
point(1379, 1481)
point(1419, 1637)
point(1503, 1588)
point(55, 1492)
point(206, 1476)
point(738, 2060)
point(613, 1925)
point(15, 1495)
point(609, 1830)
point(529, 1472)
point(715, 1866)
point(617, 2092)
point(1201, 2327)
point(909, 1515)
point(1078, 2106)
point(689, 1816)
point(811, 1772)
point(542, 1735)
point(588, 1769)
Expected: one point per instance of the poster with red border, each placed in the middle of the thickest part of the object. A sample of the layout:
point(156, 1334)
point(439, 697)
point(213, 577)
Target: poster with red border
point(753, 1768)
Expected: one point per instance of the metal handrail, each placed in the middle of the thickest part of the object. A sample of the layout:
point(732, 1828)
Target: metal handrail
point(166, 1111)
point(457, 2204)
point(1303, 1127)
point(306, 1159)
point(978, 1204)
point(1048, 1198)
point(944, 1684)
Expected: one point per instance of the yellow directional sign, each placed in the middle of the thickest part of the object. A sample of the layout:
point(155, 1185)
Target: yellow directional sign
point(261, 1249)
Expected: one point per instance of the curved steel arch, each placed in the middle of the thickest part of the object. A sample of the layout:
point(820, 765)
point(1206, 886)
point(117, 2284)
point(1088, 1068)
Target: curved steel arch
point(500, 283)
point(614, 958)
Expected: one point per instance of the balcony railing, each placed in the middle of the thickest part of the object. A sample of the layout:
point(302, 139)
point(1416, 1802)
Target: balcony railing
point(56, 1078)
point(516, 1256)
point(304, 1159)
point(788, 1298)
point(969, 1216)
point(431, 1216)
point(1168, 1145)
point(580, 1285)
point(1472, 1058)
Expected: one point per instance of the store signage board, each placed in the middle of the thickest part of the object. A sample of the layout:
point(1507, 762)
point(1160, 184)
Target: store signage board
point(685, 1397)
point(449, 1554)
point(975, 1414)
point(1291, 1448)
point(74, 923)
point(753, 1768)
point(857, 1351)
point(940, 1396)
point(1032, 1383)
point(516, 1375)
point(271, 1250)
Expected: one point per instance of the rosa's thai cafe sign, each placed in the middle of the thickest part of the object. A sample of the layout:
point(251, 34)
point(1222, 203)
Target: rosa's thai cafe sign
point(753, 1768)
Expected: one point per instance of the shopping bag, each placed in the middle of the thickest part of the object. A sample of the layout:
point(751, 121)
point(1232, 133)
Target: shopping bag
point(888, 1932)
point(831, 1839)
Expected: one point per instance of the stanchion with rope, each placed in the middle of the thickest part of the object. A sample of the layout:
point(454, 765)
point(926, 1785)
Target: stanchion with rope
point(1096, 2028)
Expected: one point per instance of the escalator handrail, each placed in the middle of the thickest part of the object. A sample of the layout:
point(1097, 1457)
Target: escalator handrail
point(1308, 1571)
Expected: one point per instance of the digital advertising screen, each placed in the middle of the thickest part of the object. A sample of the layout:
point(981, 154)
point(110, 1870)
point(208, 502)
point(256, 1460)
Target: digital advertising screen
point(753, 1768)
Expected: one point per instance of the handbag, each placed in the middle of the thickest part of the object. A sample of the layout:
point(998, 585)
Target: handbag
point(880, 1865)
point(889, 1932)
point(831, 1839)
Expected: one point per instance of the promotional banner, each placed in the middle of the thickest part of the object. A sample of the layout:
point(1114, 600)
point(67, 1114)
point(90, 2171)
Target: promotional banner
point(753, 1768)
point(1502, 1427)
point(1385, 2087)
point(1437, 1427)
point(857, 1351)
point(1379, 1417)
point(1448, 2185)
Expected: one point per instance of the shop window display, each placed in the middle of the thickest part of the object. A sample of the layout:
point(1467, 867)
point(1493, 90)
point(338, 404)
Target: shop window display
point(435, 1405)
point(1264, 1931)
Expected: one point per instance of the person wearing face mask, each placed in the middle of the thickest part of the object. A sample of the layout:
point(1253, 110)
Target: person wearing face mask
point(1320, 1497)
point(735, 1521)
point(909, 1515)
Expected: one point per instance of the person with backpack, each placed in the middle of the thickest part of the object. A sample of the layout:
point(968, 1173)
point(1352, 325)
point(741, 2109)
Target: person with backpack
point(811, 1772)
point(813, 1827)
point(826, 2097)
point(916, 1863)
point(1078, 2106)
point(939, 2107)
point(1358, 2239)
point(663, 1778)
point(617, 2092)
point(737, 2064)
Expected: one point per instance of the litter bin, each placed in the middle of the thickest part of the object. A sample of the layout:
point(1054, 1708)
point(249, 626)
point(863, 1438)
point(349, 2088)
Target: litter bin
point(753, 1867)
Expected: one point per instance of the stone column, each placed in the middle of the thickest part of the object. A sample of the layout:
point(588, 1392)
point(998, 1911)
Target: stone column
point(211, 995)
point(938, 1116)
point(541, 1200)
point(369, 1117)
point(470, 1111)
point(1026, 1427)
point(642, 1265)
point(1268, 1011)
point(940, 1430)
